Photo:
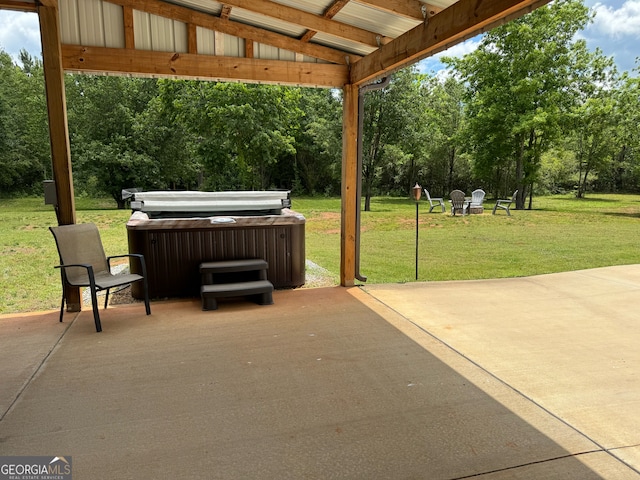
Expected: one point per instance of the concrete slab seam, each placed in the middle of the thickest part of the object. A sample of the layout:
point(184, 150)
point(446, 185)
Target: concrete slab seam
point(538, 462)
point(601, 448)
point(37, 370)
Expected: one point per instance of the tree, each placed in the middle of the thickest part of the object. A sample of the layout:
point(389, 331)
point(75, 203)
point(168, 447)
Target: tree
point(625, 171)
point(319, 142)
point(519, 88)
point(594, 118)
point(391, 117)
point(242, 130)
point(24, 142)
point(107, 154)
point(444, 121)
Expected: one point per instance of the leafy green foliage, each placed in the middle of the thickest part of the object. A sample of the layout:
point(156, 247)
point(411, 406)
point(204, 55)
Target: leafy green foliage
point(532, 109)
point(521, 85)
point(24, 141)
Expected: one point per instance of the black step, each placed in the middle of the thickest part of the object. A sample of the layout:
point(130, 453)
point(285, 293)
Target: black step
point(260, 291)
point(241, 265)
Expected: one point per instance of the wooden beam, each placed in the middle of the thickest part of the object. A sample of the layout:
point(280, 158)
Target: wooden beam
point(405, 8)
point(460, 21)
point(192, 38)
point(225, 13)
point(349, 185)
point(308, 20)
point(432, 10)
point(329, 13)
point(18, 6)
point(205, 67)
point(58, 129)
point(248, 49)
point(56, 106)
point(129, 34)
point(187, 15)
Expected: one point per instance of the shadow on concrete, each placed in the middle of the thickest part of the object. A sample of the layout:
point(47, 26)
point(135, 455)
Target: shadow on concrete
point(318, 385)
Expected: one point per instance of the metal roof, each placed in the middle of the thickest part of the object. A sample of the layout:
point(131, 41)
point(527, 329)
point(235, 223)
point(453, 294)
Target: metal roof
point(100, 23)
point(201, 38)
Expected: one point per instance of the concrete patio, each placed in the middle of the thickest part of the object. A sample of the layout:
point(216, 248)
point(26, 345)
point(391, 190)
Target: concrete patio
point(526, 378)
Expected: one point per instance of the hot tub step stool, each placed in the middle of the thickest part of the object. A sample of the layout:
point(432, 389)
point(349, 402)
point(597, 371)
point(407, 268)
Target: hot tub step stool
point(235, 278)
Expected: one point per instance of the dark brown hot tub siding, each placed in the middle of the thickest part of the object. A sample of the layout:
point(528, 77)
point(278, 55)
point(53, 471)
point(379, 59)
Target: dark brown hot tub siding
point(173, 256)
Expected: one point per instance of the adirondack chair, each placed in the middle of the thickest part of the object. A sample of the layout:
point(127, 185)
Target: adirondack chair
point(477, 197)
point(459, 203)
point(505, 204)
point(434, 202)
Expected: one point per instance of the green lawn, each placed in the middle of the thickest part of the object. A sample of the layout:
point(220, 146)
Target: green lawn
point(561, 233)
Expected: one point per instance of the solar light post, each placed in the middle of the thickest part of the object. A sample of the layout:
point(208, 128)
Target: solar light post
point(416, 196)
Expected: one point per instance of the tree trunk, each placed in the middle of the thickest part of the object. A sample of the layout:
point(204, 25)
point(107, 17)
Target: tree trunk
point(452, 157)
point(119, 201)
point(520, 173)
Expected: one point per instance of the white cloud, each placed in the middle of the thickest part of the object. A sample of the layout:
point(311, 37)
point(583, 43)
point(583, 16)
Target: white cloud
point(461, 49)
point(19, 30)
point(617, 22)
point(615, 30)
point(433, 65)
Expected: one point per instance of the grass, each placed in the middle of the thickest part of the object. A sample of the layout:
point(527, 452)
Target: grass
point(561, 233)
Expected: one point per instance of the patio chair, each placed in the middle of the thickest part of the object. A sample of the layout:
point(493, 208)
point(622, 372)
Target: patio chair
point(83, 264)
point(458, 203)
point(477, 197)
point(505, 204)
point(434, 202)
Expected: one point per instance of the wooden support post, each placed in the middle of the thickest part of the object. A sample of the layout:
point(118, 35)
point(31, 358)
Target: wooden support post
point(129, 35)
point(58, 129)
point(192, 37)
point(349, 185)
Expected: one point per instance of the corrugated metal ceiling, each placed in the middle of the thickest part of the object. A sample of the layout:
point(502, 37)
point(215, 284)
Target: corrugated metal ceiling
point(100, 23)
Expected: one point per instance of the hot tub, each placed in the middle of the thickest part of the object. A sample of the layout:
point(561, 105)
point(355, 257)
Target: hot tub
point(176, 231)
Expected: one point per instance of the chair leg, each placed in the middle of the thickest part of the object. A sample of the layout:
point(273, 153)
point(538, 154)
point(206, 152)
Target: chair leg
point(145, 285)
point(106, 299)
point(62, 305)
point(96, 313)
point(146, 297)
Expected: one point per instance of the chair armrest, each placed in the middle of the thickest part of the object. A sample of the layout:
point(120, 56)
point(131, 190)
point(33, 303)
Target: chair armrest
point(83, 265)
point(135, 255)
point(139, 256)
point(90, 274)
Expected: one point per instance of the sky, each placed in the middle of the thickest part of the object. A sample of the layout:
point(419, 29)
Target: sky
point(615, 30)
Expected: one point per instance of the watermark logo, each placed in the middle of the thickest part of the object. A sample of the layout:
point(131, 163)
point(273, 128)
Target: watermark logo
point(35, 468)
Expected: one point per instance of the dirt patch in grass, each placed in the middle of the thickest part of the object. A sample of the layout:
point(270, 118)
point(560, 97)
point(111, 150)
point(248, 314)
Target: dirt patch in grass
point(329, 216)
point(20, 250)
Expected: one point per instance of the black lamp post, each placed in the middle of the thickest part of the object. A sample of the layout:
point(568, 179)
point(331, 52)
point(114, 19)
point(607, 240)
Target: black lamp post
point(416, 196)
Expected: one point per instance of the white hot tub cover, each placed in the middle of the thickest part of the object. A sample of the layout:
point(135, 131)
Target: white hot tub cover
point(191, 203)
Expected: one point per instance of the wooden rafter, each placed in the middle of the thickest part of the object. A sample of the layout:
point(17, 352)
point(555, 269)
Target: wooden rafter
point(405, 8)
point(318, 23)
point(460, 21)
point(127, 18)
point(209, 67)
point(204, 20)
point(18, 5)
point(329, 13)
